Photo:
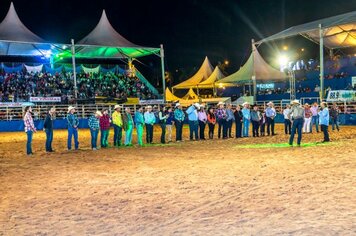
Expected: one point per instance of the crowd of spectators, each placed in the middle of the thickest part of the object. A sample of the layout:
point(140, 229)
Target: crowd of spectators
point(20, 86)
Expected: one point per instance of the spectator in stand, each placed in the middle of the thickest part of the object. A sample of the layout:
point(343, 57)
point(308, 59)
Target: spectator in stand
point(128, 124)
point(255, 118)
point(211, 122)
point(192, 112)
point(104, 128)
point(307, 118)
point(48, 128)
point(29, 129)
point(246, 113)
point(221, 119)
point(287, 121)
point(94, 126)
point(73, 123)
point(169, 123)
point(270, 114)
point(229, 119)
point(140, 122)
point(202, 117)
point(297, 115)
point(334, 114)
point(317, 88)
point(179, 120)
point(117, 123)
point(324, 121)
point(150, 120)
point(238, 121)
point(315, 117)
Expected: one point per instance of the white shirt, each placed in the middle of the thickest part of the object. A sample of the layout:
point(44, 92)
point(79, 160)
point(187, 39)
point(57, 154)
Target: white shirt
point(286, 113)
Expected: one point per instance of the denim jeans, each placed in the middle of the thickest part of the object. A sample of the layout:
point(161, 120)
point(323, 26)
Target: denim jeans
point(246, 127)
point(179, 130)
point(193, 128)
point(315, 120)
point(128, 134)
point(324, 128)
point(255, 128)
point(211, 130)
point(29, 142)
point(104, 138)
point(334, 122)
point(297, 126)
point(72, 132)
point(94, 137)
point(49, 139)
point(270, 126)
point(202, 130)
point(228, 128)
point(117, 135)
point(238, 129)
point(287, 126)
point(163, 133)
point(149, 133)
point(222, 127)
point(139, 130)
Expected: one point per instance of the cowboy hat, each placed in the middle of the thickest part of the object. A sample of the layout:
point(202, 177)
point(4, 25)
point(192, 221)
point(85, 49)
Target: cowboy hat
point(70, 108)
point(245, 103)
point(178, 104)
point(197, 105)
point(221, 103)
point(306, 104)
point(98, 113)
point(295, 101)
point(117, 106)
point(149, 107)
point(270, 103)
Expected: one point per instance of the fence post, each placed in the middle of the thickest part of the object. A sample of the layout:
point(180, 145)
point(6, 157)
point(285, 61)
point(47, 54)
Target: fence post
point(83, 110)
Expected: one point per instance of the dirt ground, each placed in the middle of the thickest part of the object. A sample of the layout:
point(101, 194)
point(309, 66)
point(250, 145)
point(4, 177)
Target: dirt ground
point(214, 187)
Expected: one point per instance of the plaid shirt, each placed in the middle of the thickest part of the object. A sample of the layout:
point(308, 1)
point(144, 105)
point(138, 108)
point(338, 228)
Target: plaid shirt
point(93, 123)
point(28, 122)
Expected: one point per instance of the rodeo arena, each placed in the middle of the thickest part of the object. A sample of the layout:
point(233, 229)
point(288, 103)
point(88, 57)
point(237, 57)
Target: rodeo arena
point(96, 149)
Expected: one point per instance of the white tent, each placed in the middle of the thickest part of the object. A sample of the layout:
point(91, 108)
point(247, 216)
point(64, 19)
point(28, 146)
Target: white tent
point(202, 74)
point(213, 78)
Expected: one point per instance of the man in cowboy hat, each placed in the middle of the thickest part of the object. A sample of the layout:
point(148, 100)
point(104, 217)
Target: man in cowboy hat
point(178, 121)
point(270, 114)
point(73, 123)
point(150, 120)
point(246, 113)
point(192, 112)
point(117, 123)
point(94, 127)
point(297, 115)
point(324, 118)
point(221, 117)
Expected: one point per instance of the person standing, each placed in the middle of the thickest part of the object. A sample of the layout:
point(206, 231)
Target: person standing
point(192, 112)
point(169, 123)
point(48, 128)
point(307, 118)
point(297, 115)
point(179, 120)
point(150, 120)
point(73, 123)
point(117, 123)
point(255, 118)
point(211, 122)
point(229, 120)
point(238, 121)
point(246, 113)
point(94, 126)
point(140, 122)
point(270, 114)
point(202, 117)
point(334, 114)
point(263, 124)
point(221, 119)
point(315, 117)
point(324, 121)
point(128, 124)
point(29, 129)
point(104, 128)
point(287, 121)
point(162, 117)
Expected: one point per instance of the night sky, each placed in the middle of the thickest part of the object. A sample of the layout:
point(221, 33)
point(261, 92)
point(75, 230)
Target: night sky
point(189, 29)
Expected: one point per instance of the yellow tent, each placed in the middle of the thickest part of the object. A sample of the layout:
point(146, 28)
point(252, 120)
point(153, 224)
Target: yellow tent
point(191, 95)
point(170, 96)
point(214, 77)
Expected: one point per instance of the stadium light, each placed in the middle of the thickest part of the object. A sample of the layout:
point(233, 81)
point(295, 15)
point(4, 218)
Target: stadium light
point(282, 60)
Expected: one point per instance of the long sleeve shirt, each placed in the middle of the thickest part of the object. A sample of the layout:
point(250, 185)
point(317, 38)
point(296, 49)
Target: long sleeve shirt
point(127, 120)
point(238, 116)
point(104, 122)
point(179, 115)
point(93, 123)
point(270, 112)
point(117, 118)
point(48, 123)
point(170, 118)
point(162, 117)
point(139, 118)
point(255, 115)
point(230, 115)
point(220, 114)
point(211, 118)
point(150, 118)
point(324, 116)
point(202, 116)
point(286, 113)
point(28, 122)
point(307, 113)
point(314, 110)
point(246, 113)
point(297, 112)
point(72, 120)
point(192, 113)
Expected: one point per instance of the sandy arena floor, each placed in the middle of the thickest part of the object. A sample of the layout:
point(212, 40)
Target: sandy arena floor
point(218, 187)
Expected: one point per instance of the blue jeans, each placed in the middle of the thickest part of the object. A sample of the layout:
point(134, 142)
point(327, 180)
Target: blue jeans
point(193, 128)
point(149, 133)
point(72, 132)
point(163, 134)
point(297, 126)
point(246, 127)
point(117, 135)
point(49, 139)
point(334, 122)
point(179, 130)
point(315, 120)
point(222, 127)
point(29, 142)
point(94, 137)
point(324, 128)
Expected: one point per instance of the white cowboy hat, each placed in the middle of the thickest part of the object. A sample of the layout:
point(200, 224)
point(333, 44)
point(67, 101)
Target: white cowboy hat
point(117, 106)
point(295, 101)
point(221, 103)
point(178, 104)
point(197, 105)
point(70, 108)
point(149, 107)
point(245, 103)
point(270, 103)
point(98, 113)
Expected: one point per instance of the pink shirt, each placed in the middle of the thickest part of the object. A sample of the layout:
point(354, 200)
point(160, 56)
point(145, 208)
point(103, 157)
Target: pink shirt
point(202, 116)
point(314, 110)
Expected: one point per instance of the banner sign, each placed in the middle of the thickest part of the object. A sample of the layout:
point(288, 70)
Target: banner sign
point(16, 104)
point(341, 95)
point(152, 101)
point(45, 99)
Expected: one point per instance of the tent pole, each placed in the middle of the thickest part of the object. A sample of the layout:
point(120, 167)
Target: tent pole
point(163, 77)
point(321, 58)
point(331, 54)
point(254, 76)
point(74, 71)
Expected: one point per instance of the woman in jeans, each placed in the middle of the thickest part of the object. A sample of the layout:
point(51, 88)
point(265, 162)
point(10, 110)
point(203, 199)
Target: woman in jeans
point(307, 118)
point(29, 129)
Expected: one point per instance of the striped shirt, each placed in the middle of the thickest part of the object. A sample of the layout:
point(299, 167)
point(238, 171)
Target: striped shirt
point(28, 122)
